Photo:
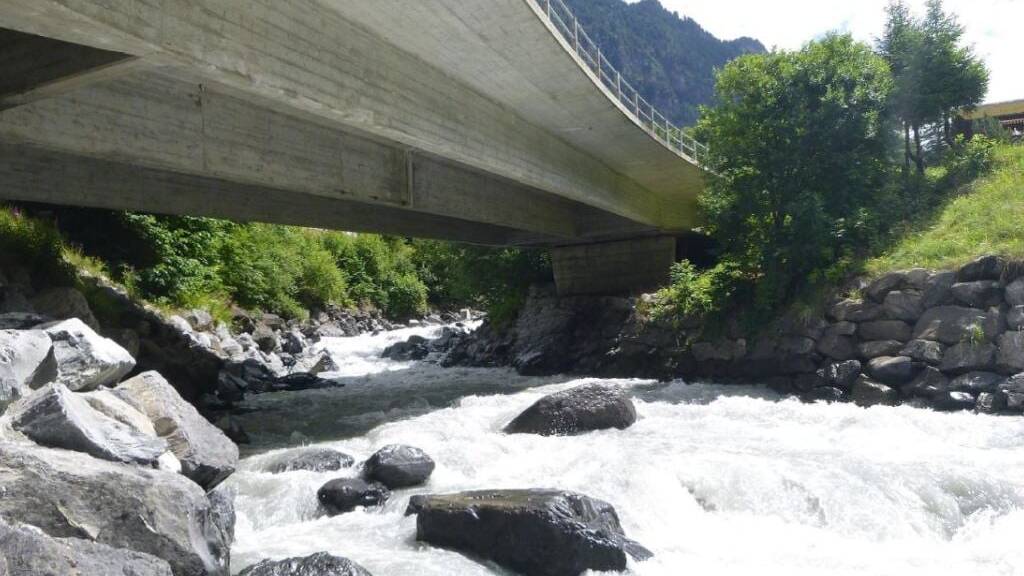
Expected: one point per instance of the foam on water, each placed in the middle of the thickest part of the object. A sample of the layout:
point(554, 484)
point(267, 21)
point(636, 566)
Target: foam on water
point(713, 479)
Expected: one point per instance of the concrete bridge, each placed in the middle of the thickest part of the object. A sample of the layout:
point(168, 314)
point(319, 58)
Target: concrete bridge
point(486, 121)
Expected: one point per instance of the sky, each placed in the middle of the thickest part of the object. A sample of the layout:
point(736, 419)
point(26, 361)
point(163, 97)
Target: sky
point(994, 27)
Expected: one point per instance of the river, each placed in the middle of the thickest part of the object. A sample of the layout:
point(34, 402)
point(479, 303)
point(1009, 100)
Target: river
point(715, 480)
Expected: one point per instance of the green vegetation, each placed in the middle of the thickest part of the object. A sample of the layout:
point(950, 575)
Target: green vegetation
point(984, 219)
point(806, 154)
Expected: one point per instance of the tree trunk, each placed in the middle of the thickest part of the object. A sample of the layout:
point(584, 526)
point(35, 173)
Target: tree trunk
point(907, 154)
point(919, 157)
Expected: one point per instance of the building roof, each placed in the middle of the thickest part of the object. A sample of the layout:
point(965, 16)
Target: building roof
point(996, 109)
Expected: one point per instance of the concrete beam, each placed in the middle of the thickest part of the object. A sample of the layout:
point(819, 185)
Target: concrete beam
point(610, 268)
point(35, 175)
point(305, 55)
point(34, 67)
point(154, 120)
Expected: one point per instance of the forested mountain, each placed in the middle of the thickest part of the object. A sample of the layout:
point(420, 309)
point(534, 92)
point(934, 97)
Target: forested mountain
point(669, 58)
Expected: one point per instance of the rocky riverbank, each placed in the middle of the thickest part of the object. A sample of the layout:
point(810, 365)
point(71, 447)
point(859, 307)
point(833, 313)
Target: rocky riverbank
point(949, 340)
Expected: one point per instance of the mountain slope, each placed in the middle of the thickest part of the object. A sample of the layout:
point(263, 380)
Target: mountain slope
point(669, 59)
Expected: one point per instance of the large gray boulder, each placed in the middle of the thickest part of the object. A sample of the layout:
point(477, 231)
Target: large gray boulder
point(399, 466)
point(904, 305)
point(207, 455)
point(955, 324)
point(26, 363)
point(314, 459)
point(984, 268)
point(1015, 292)
point(1015, 318)
point(319, 564)
point(343, 495)
point(534, 532)
point(885, 330)
point(26, 550)
point(72, 495)
point(86, 360)
point(1010, 358)
point(867, 393)
point(924, 351)
point(837, 346)
point(968, 357)
point(842, 375)
point(575, 411)
point(878, 289)
point(222, 518)
point(856, 311)
point(893, 370)
point(929, 383)
point(63, 303)
point(57, 417)
point(936, 290)
point(980, 294)
point(977, 382)
point(879, 348)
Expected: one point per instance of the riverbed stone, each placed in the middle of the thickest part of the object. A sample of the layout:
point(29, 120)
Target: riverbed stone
point(26, 363)
point(977, 382)
point(991, 402)
point(885, 330)
point(343, 495)
point(26, 550)
point(828, 394)
point(1010, 358)
point(980, 294)
point(904, 305)
point(575, 411)
point(1015, 402)
point(867, 393)
point(927, 384)
point(893, 370)
point(56, 417)
point(878, 348)
point(967, 357)
point(223, 519)
point(313, 459)
point(319, 564)
point(953, 401)
point(207, 455)
point(399, 466)
point(842, 375)
point(924, 351)
point(984, 268)
point(73, 495)
point(955, 324)
point(86, 360)
point(536, 532)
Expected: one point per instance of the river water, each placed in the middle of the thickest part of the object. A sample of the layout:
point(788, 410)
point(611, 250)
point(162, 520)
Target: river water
point(715, 480)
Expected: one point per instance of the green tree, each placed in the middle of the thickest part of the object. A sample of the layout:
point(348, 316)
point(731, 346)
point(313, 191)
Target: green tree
point(799, 145)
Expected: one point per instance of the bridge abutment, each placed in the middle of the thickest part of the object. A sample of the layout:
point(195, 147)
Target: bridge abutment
point(609, 268)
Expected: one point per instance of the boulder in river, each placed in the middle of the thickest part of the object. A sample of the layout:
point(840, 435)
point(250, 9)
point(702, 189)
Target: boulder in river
point(29, 551)
point(399, 466)
point(313, 459)
point(575, 411)
point(346, 494)
point(26, 363)
point(867, 393)
point(536, 532)
point(57, 417)
point(207, 455)
point(86, 360)
point(319, 564)
point(72, 495)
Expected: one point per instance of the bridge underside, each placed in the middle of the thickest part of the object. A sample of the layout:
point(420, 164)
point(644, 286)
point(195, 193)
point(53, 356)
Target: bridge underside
point(300, 114)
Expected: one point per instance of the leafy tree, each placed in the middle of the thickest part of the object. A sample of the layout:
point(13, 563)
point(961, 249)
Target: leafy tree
point(799, 147)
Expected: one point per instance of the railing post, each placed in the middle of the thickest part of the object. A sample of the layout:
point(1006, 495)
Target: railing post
point(576, 35)
point(548, 2)
point(618, 85)
point(599, 64)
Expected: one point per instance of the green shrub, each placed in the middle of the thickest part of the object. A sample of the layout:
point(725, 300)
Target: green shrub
point(34, 245)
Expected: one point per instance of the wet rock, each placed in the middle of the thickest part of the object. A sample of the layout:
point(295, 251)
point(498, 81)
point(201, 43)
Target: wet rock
point(304, 381)
point(904, 305)
point(953, 401)
point(842, 375)
point(222, 518)
point(977, 382)
point(72, 495)
point(885, 330)
point(265, 338)
point(967, 357)
point(879, 348)
point(928, 383)
point(954, 324)
point(924, 351)
point(233, 429)
point(577, 410)
point(294, 342)
point(29, 551)
point(22, 320)
point(536, 532)
point(1010, 358)
point(991, 402)
point(86, 360)
point(343, 495)
point(893, 370)
point(56, 417)
point(207, 456)
point(26, 363)
point(980, 294)
point(867, 393)
point(415, 348)
point(824, 394)
point(1015, 402)
point(312, 459)
point(984, 268)
point(319, 564)
point(64, 303)
point(399, 466)
point(838, 347)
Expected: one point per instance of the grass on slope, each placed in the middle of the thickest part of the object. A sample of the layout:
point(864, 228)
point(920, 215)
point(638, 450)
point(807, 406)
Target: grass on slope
point(987, 217)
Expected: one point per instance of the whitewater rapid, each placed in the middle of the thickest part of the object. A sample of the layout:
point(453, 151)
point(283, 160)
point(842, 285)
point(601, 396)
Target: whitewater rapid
point(715, 480)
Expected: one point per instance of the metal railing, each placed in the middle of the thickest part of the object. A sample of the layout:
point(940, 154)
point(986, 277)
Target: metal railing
point(641, 111)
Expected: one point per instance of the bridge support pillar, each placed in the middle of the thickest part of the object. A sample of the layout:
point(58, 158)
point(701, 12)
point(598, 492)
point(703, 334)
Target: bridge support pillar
point(610, 268)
